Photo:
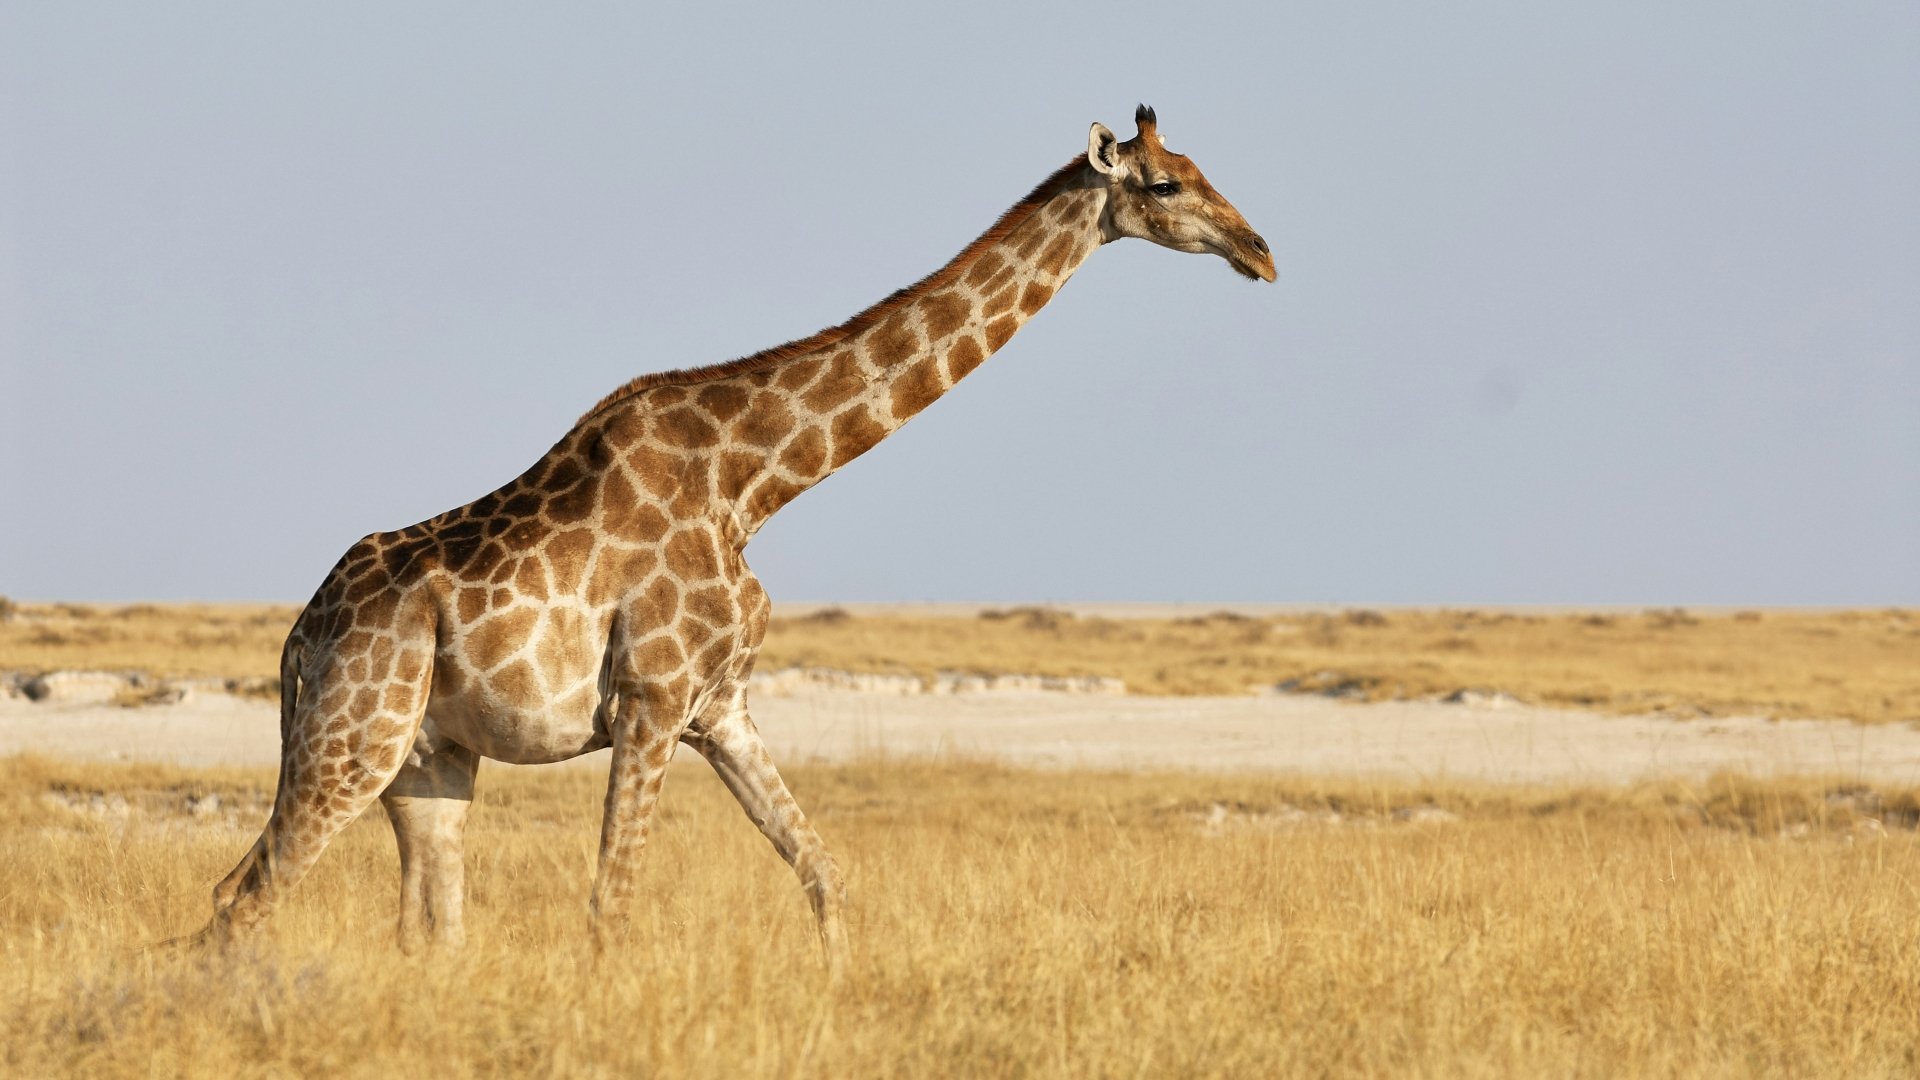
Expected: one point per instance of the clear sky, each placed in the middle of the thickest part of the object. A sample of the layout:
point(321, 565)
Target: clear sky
point(1611, 303)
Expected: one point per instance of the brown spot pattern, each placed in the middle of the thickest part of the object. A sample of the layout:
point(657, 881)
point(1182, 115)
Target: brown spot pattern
point(805, 455)
point(737, 470)
point(945, 312)
point(723, 400)
point(659, 655)
point(648, 524)
point(855, 431)
point(378, 611)
point(798, 374)
point(531, 581)
point(715, 605)
point(690, 555)
point(773, 493)
point(1035, 297)
point(838, 384)
point(517, 682)
point(659, 471)
point(1000, 331)
point(567, 556)
point(892, 342)
point(766, 421)
point(617, 571)
point(917, 387)
point(686, 428)
point(575, 503)
point(619, 503)
point(472, 604)
point(694, 494)
point(1053, 258)
point(411, 664)
point(498, 637)
point(984, 268)
point(660, 600)
point(965, 355)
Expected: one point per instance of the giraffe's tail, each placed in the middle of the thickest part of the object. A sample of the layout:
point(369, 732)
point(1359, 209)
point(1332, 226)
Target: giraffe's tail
point(256, 861)
point(291, 654)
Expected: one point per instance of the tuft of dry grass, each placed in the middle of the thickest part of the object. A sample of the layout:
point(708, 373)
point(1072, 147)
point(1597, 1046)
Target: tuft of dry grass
point(1855, 665)
point(1005, 923)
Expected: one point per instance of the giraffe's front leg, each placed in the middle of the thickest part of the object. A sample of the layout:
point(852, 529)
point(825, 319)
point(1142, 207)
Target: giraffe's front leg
point(427, 804)
point(731, 743)
point(646, 728)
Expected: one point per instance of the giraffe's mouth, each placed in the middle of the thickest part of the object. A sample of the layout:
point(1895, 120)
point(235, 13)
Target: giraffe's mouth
point(1250, 258)
point(1252, 271)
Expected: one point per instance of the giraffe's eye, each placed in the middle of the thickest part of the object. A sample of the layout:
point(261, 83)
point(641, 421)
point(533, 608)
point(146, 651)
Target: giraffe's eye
point(1164, 188)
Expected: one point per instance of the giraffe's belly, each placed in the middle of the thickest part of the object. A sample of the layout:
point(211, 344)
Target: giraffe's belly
point(518, 730)
point(532, 685)
point(520, 711)
point(522, 684)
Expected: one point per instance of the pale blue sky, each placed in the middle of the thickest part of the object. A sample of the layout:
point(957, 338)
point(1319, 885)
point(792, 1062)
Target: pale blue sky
point(1610, 305)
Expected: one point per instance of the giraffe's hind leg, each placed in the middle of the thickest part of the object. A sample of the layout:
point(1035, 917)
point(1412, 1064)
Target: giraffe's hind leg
point(732, 745)
point(343, 748)
point(427, 804)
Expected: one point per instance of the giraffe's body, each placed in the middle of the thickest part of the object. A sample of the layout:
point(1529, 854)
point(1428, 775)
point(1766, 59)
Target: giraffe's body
point(601, 598)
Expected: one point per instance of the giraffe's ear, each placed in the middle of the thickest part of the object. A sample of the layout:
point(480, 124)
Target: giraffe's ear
point(1103, 151)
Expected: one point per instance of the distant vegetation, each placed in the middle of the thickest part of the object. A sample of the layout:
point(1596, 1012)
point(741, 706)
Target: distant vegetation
point(1857, 665)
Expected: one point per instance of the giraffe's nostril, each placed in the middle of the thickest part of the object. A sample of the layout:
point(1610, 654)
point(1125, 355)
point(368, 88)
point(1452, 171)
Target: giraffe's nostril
point(1259, 245)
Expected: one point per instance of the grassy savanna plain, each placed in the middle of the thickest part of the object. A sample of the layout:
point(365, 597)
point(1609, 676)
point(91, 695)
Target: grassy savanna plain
point(1851, 664)
point(1005, 923)
point(1023, 923)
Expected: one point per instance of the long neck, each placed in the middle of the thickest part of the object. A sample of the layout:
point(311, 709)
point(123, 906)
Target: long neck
point(739, 440)
point(806, 415)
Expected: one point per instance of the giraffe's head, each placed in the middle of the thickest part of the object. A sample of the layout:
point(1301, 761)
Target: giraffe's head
point(1160, 196)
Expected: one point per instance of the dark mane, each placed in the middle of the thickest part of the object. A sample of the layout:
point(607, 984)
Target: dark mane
point(940, 278)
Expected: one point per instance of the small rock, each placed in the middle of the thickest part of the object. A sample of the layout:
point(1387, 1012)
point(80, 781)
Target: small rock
point(960, 682)
point(141, 693)
point(76, 687)
point(257, 686)
point(1481, 699)
point(93, 804)
point(1219, 817)
point(1861, 800)
point(1085, 684)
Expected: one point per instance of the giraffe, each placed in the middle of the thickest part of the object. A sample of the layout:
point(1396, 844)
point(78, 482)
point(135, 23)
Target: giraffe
point(600, 599)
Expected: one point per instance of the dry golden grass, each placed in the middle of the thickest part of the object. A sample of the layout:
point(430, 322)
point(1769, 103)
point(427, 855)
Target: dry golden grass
point(1858, 665)
point(1005, 924)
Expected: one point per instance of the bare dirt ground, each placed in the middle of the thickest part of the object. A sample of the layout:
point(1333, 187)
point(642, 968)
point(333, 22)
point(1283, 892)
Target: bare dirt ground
point(1421, 740)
